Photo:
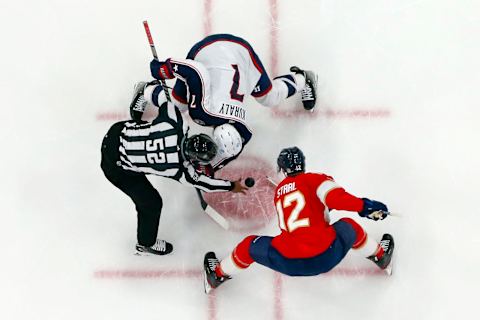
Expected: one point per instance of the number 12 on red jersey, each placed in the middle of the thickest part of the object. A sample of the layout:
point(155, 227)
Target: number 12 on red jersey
point(293, 221)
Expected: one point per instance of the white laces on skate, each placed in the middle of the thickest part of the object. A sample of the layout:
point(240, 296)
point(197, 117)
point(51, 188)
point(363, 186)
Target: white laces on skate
point(160, 245)
point(385, 244)
point(140, 104)
point(213, 263)
point(307, 93)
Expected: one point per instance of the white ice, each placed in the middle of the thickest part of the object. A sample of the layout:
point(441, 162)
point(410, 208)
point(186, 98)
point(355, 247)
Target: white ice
point(63, 63)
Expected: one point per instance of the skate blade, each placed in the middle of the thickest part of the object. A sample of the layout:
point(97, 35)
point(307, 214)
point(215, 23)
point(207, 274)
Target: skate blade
point(143, 254)
point(389, 269)
point(206, 285)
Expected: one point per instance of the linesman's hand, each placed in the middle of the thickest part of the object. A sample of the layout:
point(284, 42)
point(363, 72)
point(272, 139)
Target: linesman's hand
point(238, 187)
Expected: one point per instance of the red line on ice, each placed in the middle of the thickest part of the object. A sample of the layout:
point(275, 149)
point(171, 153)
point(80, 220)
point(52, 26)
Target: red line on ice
point(111, 274)
point(212, 306)
point(273, 37)
point(207, 14)
point(366, 113)
point(278, 303)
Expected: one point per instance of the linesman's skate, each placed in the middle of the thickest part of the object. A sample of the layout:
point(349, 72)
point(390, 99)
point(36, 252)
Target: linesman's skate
point(160, 248)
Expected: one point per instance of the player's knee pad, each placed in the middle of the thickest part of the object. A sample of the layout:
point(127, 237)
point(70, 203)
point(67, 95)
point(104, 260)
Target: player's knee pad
point(241, 253)
point(361, 235)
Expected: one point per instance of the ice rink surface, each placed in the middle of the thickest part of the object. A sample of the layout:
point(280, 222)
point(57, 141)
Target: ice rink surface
point(396, 121)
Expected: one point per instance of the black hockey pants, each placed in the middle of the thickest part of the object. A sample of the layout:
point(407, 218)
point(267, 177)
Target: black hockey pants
point(146, 198)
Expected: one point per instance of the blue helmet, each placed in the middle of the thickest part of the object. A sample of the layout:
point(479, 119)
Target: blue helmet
point(291, 161)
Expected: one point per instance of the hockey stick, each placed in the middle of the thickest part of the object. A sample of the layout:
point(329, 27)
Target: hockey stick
point(271, 181)
point(212, 213)
point(155, 56)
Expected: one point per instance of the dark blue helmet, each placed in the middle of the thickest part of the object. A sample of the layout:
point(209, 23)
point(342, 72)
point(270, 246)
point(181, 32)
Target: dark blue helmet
point(291, 161)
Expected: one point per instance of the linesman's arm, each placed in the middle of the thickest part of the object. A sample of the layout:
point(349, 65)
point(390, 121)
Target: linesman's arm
point(207, 184)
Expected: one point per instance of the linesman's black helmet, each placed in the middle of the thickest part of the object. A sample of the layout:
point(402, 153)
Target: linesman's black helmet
point(291, 161)
point(199, 148)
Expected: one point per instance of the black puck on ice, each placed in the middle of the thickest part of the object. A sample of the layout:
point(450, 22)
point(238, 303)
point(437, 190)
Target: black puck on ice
point(249, 182)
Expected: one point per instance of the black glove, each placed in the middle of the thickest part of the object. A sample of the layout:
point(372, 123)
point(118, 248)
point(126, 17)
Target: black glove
point(374, 210)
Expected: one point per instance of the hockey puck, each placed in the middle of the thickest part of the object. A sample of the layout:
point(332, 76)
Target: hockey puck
point(249, 182)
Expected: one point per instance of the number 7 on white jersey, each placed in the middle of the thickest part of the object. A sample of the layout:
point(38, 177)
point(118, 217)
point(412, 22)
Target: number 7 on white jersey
point(293, 221)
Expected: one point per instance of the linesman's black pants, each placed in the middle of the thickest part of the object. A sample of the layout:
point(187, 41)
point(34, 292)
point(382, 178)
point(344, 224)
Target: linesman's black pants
point(146, 198)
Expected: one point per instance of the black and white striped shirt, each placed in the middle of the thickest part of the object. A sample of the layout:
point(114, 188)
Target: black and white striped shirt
point(155, 148)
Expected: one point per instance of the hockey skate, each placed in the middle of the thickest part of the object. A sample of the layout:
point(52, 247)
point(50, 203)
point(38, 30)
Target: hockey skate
point(309, 93)
point(138, 104)
point(210, 278)
point(385, 262)
point(160, 248)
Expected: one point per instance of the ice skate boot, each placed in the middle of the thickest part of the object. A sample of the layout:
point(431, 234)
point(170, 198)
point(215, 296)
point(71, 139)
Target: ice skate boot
point(309, 93)
point(138, 104)
point(385, 261)
point(160, 248)
point(211, 279)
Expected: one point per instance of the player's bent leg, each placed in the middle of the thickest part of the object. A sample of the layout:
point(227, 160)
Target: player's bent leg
point(265, 254)
point(155, 95)
point(238, 260)
point(359, 233)
point(283, 87)
point(363, 244)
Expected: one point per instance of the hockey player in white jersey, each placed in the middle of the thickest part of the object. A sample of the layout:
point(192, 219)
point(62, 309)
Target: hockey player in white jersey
point(212, 83)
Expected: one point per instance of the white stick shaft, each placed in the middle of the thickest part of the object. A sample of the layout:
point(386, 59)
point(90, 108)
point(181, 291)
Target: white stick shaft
point(217, 217)
point(271, 181)
point(394, 214)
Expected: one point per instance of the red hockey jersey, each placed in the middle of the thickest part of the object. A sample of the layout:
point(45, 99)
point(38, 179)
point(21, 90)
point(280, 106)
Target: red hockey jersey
point(303, 202)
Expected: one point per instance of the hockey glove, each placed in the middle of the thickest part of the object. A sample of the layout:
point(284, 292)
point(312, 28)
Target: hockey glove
point(374, 210)
point(161, 70)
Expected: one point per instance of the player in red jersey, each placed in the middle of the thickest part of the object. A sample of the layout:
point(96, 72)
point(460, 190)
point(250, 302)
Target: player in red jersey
point(308, 244)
